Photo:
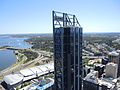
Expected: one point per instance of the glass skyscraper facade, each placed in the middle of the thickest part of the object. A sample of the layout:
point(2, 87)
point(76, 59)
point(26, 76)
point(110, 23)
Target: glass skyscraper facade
point(67, 55)
point(68, 58)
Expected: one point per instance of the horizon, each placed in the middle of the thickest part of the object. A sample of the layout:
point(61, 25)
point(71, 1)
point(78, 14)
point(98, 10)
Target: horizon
point(28, 16)
point(52, 33)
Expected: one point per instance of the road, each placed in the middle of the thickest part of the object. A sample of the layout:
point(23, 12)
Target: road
point(40, 58)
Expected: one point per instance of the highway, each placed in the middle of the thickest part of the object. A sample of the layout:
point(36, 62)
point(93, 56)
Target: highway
point(42, 56)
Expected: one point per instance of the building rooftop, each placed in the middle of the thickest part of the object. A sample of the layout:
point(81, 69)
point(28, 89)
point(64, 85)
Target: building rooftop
point(113, 53)
point(26, 72)
point(99, 65)
point(112, 64)
point(29, 73)
point(12, 79)
point(118, 51)
point(106, 81)
point(92, 77)
point(108, 84)
point(36, 70)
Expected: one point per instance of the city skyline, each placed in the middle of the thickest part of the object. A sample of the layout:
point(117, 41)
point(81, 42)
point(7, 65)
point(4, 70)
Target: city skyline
point(28, 16)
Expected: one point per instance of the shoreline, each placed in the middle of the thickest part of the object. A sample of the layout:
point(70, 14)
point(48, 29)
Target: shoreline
point(18, 64)
point(15, 63)
point(15, 56)
point(7, 47)
point(42, 58)
point(12, 65)
point(4, 47)
point(16, 67)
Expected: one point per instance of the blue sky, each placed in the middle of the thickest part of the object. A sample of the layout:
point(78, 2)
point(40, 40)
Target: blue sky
point(35, 16)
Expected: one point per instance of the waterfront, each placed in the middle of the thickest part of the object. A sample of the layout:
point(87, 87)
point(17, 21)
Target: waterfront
point(7, 57)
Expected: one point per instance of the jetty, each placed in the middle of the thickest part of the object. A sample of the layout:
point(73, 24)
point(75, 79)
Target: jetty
point(11, 48)
point(14, 48)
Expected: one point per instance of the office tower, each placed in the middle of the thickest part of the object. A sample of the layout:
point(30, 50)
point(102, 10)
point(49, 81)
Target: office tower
point(111, 70)
point(67, 34)
point(118, 51)
point(115, 58)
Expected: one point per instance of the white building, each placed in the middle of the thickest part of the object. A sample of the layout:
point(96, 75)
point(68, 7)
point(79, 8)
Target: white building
point(27, 74)
point(111, 70)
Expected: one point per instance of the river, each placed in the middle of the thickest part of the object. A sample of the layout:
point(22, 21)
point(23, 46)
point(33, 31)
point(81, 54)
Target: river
point(7, 57)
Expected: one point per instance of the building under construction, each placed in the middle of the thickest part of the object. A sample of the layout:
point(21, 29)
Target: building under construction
point(67, 34)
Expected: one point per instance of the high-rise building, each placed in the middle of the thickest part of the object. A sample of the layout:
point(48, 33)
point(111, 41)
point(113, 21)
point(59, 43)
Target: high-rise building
point(118, 51)
point(111, 70)
point(67, 34)
point(115, 58)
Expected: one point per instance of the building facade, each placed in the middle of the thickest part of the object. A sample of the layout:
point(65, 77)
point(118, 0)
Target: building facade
point(115, 58)
point(111, 70)
point(118, 51)
point(67, 55)
point(90, 82)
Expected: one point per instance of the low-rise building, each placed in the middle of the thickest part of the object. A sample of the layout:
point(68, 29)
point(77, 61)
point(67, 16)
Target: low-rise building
point(99, 68)
point(11, 80)
point(92, 82)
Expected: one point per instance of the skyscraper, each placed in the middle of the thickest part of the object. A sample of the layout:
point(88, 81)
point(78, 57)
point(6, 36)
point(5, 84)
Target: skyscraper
point(115, 58)
point(118, 51)
point(111, 70)
point(67, 34)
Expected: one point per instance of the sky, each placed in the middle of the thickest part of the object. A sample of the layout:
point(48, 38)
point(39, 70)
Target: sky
point(35, 16)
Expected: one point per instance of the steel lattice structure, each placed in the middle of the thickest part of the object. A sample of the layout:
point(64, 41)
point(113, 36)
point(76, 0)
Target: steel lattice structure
point(64, 20)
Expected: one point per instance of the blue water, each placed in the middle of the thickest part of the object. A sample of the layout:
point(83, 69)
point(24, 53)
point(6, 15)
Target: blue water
point(7, 57)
